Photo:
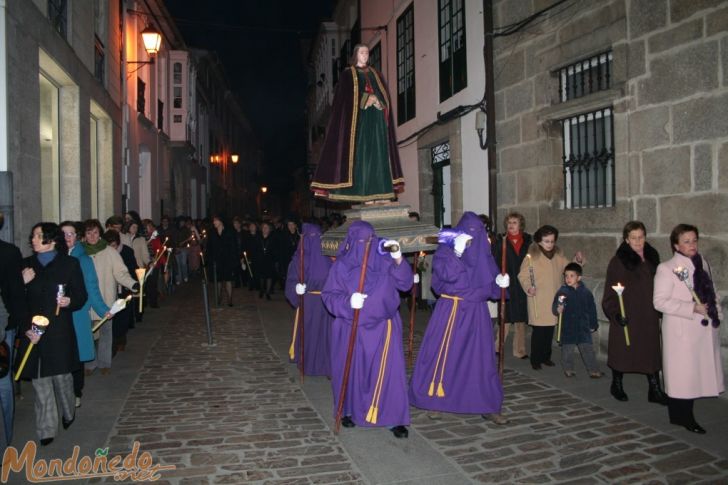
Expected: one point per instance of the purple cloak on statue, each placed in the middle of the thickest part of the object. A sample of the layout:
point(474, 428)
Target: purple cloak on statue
point(456, 366)
point(377, 377)
point(317, 321)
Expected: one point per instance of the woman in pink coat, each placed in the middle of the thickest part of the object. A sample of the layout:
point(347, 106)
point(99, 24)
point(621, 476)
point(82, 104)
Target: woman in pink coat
point(685, 294)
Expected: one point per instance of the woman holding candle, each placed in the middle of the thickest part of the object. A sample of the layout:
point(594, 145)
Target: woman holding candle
point(546, 263)
point(633, 267)
point(516, 242)
point(111, 271)
point(81, 317)
point(691, 360)
point(54, 355)
point(222, 258)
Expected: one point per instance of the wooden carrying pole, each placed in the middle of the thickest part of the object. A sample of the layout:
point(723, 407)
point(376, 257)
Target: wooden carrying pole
point(501, 333)
point(352, 341)
point(301, 298)
point(413, 308)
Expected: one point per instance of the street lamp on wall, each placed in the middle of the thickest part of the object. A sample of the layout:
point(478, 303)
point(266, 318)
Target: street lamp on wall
point(151, 38)
point(234, 157)
point(264, 189)
point(480, 118)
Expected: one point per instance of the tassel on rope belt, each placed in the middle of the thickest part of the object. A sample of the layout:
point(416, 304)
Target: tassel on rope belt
point(372, 415)
point(444, 345)
point(292, 348)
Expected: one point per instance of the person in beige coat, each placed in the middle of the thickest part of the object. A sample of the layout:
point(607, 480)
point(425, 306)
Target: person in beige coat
point(541, 275)
point(691, 362)
point(111, 272)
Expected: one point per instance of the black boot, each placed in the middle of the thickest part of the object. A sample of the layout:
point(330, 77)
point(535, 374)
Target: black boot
point(655, 393)
point(617, 390)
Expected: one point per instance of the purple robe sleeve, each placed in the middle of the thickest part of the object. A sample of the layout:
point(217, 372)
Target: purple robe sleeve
point(292, 281)
point(336, 296)
point(403, 276)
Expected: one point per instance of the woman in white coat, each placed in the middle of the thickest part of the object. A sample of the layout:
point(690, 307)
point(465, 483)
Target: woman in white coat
point(690, 327)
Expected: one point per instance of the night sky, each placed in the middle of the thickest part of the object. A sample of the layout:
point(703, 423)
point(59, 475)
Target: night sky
point(259, 43)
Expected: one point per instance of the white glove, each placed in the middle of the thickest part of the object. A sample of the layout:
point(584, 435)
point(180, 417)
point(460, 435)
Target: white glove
point(300, 289)
point(242, 265)
point(357, 300)
point(461, 243)
point(417, 278)
point(397, 254)
point(503, 280)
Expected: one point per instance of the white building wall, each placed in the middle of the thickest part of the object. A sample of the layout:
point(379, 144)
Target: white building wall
point(474, 160)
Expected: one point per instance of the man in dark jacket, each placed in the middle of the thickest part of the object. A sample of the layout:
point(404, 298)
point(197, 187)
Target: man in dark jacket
point(13, 309)
point(515, 242)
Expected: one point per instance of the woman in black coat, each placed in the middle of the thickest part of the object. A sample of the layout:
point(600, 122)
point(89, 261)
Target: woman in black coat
point(222, 256)
point(55, 354)
point(266, 254)
point(516, 243)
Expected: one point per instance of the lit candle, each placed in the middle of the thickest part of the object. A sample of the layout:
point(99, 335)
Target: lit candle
point(533, 284)
point(39, 326)
point(141, 273)
point(684, 275)
point(61, 293)
point(562, 299)
point(619, 289)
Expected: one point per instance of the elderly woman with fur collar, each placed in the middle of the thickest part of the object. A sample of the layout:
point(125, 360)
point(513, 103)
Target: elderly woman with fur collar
point(633, 266)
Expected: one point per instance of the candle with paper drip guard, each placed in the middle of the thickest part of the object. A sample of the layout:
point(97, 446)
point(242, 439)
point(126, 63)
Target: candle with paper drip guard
point(141, 273)
point(619, 289)
point(60, 294)
point(39, 326)
point(118, 306)
point(533, 284)
point(562, 299)
point(684, 275)
point(169, 256)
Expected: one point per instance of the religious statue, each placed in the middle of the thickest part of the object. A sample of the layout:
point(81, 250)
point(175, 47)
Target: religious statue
point(359, 159)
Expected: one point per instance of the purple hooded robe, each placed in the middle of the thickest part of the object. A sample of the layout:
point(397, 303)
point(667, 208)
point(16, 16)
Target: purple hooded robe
point(377, 377)
point(456, 366)
point(317, 321)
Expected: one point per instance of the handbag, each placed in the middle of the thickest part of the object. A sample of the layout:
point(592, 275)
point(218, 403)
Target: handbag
point(4, 359)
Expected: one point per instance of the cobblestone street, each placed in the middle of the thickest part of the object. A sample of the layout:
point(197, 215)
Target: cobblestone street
point(236, 413)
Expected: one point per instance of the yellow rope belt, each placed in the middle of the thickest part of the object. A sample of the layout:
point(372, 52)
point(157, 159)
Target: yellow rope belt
point(445, 344)
point(374, 407)
point(292, 348)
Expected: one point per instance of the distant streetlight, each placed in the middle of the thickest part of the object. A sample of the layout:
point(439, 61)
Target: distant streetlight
point(264, 189)
point(234, 157)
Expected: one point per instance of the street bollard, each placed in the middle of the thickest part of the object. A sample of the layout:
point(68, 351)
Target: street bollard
point(214, 282)
point(207, 311)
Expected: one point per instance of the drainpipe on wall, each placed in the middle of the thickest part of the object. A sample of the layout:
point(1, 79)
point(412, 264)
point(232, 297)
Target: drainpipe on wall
point(6, 177)
point(490, 111)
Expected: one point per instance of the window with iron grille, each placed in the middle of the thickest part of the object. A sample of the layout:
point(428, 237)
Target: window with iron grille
point(586, 76)
point(99, 61)
point(160, 115)
point(453, 64)
point(141, 88)
point(588, 159)
point(441, 194)
point(58, 15)
point(406, 65)
point(375, 57)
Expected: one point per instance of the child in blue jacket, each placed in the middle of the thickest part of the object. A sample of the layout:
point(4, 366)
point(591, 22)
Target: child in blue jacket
point(575, 303)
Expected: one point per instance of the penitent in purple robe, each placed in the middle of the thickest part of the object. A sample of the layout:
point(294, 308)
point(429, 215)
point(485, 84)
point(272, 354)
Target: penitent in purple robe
point(377, 378)
point(317, 321)
point(456, 365)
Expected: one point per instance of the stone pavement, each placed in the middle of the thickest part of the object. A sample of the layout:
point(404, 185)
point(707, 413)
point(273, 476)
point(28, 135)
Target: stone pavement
point(236, 413)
